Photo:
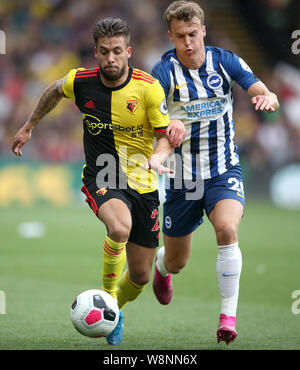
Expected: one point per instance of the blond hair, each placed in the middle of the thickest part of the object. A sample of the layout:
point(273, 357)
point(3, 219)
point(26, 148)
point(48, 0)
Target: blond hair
point(183, 10)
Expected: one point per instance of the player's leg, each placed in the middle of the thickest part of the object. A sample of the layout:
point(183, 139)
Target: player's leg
point(132, 282)
point(141, 246)
point(170, 259)
point(138, 274)
point(225, 216)
point(177, 251)
point(116, 216)
point(140, 250)
point(181, 218)
point(112, 207)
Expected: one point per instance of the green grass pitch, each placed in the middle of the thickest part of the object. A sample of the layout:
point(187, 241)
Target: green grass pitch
point(41, 277)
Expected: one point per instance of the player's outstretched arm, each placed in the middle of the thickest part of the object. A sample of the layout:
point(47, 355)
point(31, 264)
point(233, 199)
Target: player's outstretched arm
point(160, 154)
point(262, 98)
point(47, 101)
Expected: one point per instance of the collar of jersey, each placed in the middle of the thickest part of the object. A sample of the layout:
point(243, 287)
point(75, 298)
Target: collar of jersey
point(174, 58)
point(120, 86)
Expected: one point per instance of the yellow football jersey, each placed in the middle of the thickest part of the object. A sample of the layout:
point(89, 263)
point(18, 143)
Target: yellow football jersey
point(118, 126)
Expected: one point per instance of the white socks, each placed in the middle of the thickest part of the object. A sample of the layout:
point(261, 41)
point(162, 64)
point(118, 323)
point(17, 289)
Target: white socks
point(160, 262)
point(229, 266)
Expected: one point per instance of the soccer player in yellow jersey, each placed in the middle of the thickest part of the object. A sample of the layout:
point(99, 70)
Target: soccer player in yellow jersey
point(123, 109)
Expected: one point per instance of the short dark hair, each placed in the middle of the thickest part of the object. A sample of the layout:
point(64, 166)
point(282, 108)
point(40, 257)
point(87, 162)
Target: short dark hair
point(111, 27)
point(183, 10)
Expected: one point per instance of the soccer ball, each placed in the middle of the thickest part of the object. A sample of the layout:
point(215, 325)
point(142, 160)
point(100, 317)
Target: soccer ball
point(95, 313)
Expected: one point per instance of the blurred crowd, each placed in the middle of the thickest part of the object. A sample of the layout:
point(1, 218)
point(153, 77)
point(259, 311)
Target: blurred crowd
point(47, 38)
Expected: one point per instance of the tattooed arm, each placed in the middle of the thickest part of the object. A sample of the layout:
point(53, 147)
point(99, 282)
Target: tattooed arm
point(48, 100)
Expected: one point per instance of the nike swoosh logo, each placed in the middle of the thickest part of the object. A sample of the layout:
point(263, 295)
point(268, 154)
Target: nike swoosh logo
point(226, 275)
point(180, 86)
point(240, 195)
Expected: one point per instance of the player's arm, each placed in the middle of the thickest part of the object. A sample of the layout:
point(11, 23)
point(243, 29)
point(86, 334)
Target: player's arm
point(175, 133)
point(263, 98)
point(47, 101)
point(176, 130)
point(160, 154)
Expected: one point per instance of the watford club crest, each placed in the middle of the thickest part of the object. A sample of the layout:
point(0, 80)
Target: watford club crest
point(101, 192)
point(132, 105)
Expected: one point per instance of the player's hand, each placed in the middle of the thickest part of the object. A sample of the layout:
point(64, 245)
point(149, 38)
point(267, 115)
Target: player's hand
point(154, 163)
point(21, 138)
point(175, 133)
point(267, 103)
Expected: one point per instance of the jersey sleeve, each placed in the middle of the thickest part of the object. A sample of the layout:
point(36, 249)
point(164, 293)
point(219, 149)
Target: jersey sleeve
point(157, 107)
point(160, 73)
point(68, 84)
point(238, 70)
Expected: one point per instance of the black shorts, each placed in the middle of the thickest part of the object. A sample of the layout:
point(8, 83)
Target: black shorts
point(143, 209)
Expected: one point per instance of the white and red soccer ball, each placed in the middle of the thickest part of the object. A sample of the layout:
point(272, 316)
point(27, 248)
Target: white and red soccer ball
point(95, 313)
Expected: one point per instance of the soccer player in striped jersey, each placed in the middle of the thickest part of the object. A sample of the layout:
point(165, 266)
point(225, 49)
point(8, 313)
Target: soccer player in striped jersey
point(197, 81)
point(123, 109)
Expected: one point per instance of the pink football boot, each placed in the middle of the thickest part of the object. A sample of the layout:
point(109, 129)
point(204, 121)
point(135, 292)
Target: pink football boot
point(226, 331)
point(162, 287)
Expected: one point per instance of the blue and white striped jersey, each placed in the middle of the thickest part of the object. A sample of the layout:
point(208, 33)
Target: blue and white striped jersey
point(203, 100)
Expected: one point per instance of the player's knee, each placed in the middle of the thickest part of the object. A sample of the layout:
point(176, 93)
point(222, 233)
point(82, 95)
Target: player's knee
point(226, 233)
point(140, 277)
point(119, 232)
point(174, 267)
